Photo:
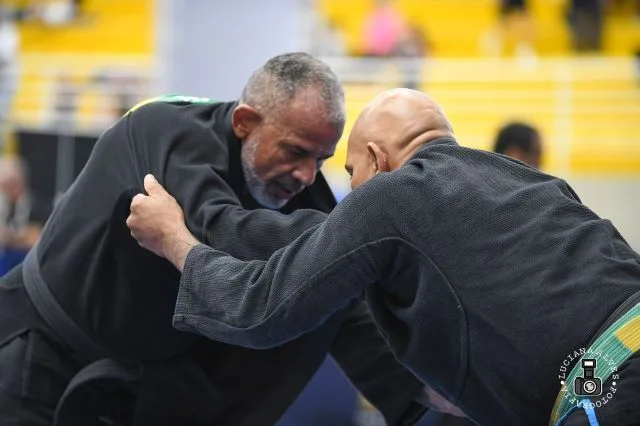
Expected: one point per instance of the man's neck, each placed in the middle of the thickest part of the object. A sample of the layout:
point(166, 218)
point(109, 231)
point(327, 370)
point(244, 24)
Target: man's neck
point(413, 146)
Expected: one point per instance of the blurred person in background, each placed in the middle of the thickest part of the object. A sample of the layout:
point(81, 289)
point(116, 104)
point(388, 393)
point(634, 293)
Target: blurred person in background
point(96, 308)
point(518, 23)
point(586, 20)
point(514, 33)
point(388, 34)
point(22, 215)
point(383, 29)
point(411, 49)
point(520, 141)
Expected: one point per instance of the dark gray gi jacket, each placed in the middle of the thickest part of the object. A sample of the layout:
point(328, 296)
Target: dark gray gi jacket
point(481, 272)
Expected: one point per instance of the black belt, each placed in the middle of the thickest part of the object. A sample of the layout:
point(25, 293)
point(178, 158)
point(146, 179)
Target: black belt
point(71, 410)
point(47, 306)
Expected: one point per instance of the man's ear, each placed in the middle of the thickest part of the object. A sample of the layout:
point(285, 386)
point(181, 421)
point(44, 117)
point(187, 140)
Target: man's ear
point(378, 158)
point(244, 120)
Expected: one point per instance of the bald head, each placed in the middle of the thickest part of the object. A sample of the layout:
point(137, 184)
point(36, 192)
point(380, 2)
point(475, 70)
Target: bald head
point(389, 131)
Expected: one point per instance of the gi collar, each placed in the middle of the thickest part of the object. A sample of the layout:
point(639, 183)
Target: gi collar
point(445, 140)
point(236, 176)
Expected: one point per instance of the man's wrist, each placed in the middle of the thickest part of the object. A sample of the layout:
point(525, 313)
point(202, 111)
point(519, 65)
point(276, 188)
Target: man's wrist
point(178, 247)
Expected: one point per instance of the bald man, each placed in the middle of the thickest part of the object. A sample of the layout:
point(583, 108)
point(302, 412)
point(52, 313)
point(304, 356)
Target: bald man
point(489, 279)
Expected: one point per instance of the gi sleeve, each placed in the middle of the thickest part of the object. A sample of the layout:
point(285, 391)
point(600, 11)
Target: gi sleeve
point(262, 304)
point(363, 355)
point(192, 163)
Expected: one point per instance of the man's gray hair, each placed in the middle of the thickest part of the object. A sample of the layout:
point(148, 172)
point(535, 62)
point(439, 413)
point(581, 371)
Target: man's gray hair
point(275, 84)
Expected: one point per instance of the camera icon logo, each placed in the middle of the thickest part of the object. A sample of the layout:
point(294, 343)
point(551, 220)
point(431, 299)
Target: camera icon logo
point(588, 385)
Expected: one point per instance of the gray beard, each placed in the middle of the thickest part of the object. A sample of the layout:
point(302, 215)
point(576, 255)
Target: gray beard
point(257, 187)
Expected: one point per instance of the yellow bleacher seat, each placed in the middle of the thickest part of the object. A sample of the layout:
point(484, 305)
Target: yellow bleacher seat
point(456, 28)
point(587, 110)
point(114, 26)
point(108, 34)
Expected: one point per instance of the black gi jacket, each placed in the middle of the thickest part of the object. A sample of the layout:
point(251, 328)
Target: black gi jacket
point(482, 273)
point(123, 296)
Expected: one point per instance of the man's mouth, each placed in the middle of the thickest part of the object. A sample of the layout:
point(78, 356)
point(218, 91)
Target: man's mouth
point(284, 191)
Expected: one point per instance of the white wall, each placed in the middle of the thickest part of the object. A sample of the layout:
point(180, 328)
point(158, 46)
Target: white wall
point(616, 199)
point(210, 47)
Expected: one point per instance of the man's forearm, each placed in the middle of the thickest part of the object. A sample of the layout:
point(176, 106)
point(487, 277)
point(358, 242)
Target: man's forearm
point(178, 246)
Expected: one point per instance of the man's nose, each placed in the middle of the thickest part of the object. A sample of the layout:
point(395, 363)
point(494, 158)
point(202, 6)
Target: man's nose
point(306, 172)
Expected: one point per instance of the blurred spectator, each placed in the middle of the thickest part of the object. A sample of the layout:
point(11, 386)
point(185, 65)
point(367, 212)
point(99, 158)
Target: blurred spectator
point(514, 34)
point(520, 141)
point(21, 215)
point(383, 30)
point(9, 48)
point(586, 18)
point(411, 47)
point(510, 6)
point(389, 35)
point(518, 24)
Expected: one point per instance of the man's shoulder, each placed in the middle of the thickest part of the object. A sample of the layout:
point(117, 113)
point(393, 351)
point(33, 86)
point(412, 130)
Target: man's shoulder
point(180, 108)
point(158, 117)
point(386, 198)
point(173, 102)
point(191, 120)
point(390, 184)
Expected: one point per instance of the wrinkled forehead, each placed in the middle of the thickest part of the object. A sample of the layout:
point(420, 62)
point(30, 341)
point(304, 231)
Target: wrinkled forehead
point(310, 125)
